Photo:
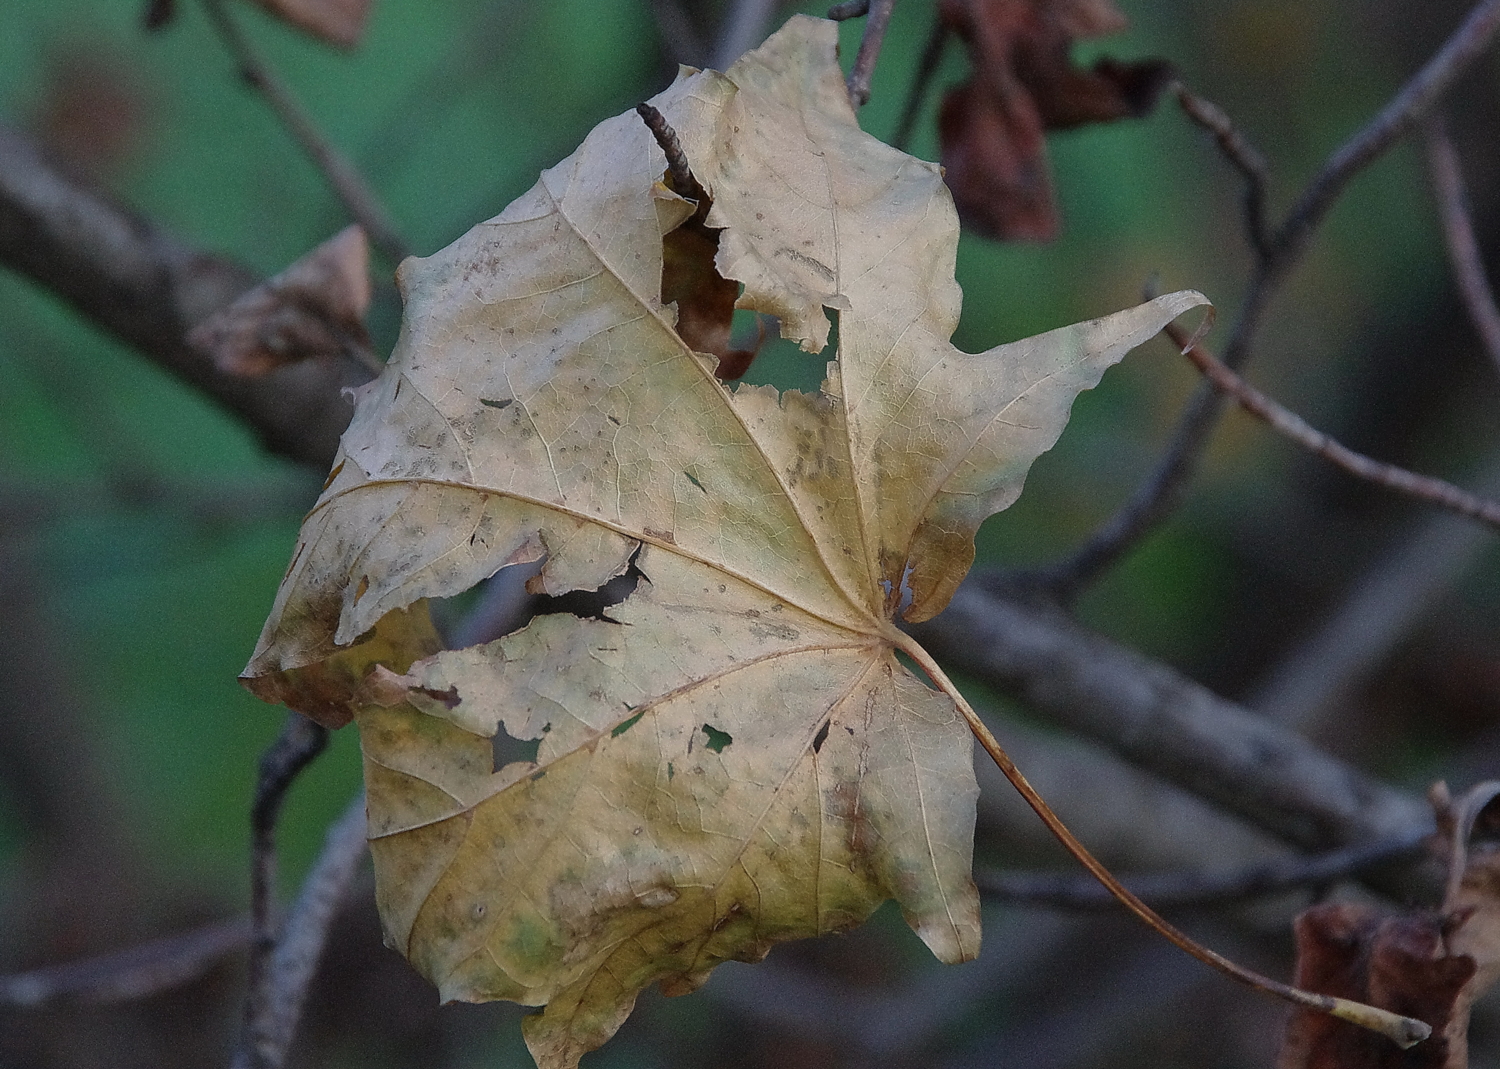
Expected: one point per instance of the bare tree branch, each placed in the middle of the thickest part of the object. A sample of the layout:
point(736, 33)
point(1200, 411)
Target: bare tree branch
point(1241, 154)
point(349, 185)
point(1458, 235)
point(1163, 490)
point(136, 972)
point(1413, 101)
point(1164, 722)
point(1174, 890)
point(301, 741)
point(295, 960)
point(1294, 427)
point(876, 21)
point(147, 289)
point(677, 32)
point(1394, 594)
point(849, 9)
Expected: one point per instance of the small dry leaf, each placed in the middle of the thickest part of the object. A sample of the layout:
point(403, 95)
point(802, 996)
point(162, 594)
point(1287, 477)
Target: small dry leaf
point(1423, 964)
point(315, 308)
point(993, 126)
point(734, 755)
point(338, 22)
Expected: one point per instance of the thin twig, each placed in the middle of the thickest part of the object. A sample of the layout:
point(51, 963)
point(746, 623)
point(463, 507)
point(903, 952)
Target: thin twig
point(134, 973)
point(1458, 235)
point(932, 55)
point(1171, 890)
point(347, 183)
point(294, 963)
point(1413, 101)
point(300, 741)
point(877, 19)
point(1292, 426)
point(1241, 154)
point(1403, 1031)
point(1165, 723)
point(1165, 487)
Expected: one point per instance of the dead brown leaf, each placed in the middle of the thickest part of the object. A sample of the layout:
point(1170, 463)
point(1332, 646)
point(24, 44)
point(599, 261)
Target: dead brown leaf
point(314, 309)
point(993, 126)
point(1430, 965)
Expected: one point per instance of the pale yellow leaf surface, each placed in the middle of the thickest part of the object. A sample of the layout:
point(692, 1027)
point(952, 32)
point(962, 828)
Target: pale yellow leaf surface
point(734, 756)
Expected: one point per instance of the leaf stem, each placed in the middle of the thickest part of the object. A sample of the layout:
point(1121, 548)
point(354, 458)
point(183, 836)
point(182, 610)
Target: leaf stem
point(1403, 1031)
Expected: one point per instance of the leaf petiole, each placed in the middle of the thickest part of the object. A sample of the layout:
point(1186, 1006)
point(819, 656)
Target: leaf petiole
point(1403, 1031)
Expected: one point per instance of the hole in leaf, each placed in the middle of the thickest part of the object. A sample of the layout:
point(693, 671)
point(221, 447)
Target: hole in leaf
point(592, 604)
point(821, 737)
point(704, 298)
point(506, 749)
point(497, 404)
point(717, 740)
point(447, 698)
point(782, 363)
point(625, 725)
point(486, 611)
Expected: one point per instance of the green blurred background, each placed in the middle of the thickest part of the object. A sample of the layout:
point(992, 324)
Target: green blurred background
point(143, 532)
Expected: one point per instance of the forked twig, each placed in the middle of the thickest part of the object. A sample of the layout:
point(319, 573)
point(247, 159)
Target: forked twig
point(1413, 101)
point(878, 17)
point(1168, 890)
point(1241, 154)
point(294, 963)
point(1403, 1031)
point(1289, 424)
point(1458, 235)
point(301, 741)
point(347, 183)
point(1165, 487)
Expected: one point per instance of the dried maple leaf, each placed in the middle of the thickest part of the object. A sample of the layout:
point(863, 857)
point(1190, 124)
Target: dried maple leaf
point(993, 125)
point(735, 755)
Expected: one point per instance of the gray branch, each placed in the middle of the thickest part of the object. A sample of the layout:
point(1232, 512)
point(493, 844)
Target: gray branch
point(1161, 721)
point(294, 962)
point(147, 289)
